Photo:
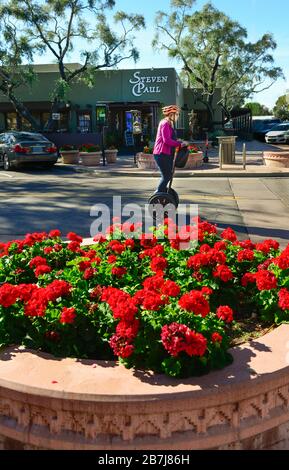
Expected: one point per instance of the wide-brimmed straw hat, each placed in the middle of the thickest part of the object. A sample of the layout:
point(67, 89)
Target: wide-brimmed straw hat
point(172, 108)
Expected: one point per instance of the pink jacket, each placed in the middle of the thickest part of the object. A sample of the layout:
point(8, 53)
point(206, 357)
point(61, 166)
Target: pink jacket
point(164, 141)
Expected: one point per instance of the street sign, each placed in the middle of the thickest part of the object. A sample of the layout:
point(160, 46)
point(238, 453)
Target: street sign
point(56, 116)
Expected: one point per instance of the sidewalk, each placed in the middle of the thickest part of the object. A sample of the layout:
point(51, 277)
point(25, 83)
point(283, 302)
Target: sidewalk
point(255, 167)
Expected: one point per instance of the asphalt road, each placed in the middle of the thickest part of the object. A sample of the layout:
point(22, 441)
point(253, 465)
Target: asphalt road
point(40, 200)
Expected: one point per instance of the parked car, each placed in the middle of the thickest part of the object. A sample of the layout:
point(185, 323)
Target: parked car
point(263, 124)
point(278, 134)
point(26, 147)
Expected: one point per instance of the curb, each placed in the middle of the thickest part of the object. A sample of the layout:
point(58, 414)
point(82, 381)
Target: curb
point(188, 174)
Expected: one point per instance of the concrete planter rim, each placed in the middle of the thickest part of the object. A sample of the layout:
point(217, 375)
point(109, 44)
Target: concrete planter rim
point(206, 385)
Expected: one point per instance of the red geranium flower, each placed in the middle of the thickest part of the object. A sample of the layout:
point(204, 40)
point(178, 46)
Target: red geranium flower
point(74, 246)
point(283, 299)
point(68, 315)
point(220, 246)
point(225, 313)
point(57, 289)
point(229, 234)
point(266, 280)
point(217, 338)
point(195, 302)
point(158, 264)
point(198, 261)
point(248, 278)
point(177, 338)
point(8, 295)
point(121, 346)
point(73, 237)
point(54, 234)
point(37, 261)
point(119, 271)
point(44, 269)
point(89, 273)
point(245, 255)
point(224, 273)
point(171, 289)
point(83, 265)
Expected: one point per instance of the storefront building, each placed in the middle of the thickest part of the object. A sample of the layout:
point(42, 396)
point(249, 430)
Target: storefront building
point(122, 100)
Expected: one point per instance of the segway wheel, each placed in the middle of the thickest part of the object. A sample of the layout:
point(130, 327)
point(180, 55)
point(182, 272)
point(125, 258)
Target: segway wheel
point(175, 195)
point(157, 200)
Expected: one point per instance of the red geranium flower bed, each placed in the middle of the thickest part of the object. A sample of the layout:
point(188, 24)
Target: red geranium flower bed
point(140, 299)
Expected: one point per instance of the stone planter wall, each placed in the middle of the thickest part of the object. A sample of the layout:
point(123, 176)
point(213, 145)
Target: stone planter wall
point(48, 403)
point(90, 158)
point(276, 159)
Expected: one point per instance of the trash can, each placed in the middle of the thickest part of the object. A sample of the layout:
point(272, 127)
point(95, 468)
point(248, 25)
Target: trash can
point(227, 149)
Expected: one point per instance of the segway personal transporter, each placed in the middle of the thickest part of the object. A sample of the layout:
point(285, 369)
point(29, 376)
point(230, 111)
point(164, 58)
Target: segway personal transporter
point(170, 197)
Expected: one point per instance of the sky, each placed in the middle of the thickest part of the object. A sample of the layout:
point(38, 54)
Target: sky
point(257, 16)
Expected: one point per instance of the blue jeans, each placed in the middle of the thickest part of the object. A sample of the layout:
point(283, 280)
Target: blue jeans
point(165, 164)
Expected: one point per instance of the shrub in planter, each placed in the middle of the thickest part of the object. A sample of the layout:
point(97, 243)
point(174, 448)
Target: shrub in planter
point(139, 298)
point(69, 153)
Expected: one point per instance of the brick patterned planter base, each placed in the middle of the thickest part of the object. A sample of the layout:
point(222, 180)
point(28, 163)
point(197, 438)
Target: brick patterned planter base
point(195, 160)
point(276, 159)
point(47, 403)
point(146, 161)
point(90, 158)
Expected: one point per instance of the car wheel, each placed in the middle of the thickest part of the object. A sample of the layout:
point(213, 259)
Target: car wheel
point(6, 163)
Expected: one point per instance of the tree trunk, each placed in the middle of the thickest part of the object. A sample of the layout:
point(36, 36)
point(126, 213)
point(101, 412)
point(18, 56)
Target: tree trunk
point(48, 126)
point(20, 108)
point(211, 112)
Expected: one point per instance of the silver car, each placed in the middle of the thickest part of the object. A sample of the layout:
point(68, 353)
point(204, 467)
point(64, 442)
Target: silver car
point(26, 147)
point(278, 134)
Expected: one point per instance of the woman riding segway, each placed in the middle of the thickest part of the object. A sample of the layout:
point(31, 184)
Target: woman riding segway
point(164, 155)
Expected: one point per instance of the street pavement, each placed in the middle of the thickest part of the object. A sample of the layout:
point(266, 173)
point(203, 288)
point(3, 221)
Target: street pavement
point(40, 200)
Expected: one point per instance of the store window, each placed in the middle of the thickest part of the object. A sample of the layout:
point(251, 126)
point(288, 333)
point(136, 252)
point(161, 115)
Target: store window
point(84, 121)
point(101, 114)
point(11, 121)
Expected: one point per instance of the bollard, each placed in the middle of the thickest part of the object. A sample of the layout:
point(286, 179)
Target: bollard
point(244, 156)
point(220, 155)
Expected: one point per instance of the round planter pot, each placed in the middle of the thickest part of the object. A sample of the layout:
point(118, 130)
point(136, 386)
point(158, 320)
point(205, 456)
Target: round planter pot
point(110, 156)
point(73, 404)
point(146, 161)
point(195, 160)
point(69, 156)
point(90, 158)
point(276, 159)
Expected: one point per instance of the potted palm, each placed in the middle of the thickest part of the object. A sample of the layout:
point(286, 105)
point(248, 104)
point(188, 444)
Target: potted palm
point(111, 154)
point(90, 154)
point(69, 154)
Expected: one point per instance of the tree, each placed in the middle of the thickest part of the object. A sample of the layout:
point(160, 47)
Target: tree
point(13, 73)
point(258, 109)
point(58, 24)
point(281, 108)
point(215, 53)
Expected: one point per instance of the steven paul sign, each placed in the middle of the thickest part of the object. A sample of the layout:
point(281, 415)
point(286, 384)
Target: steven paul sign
point(146, 84)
